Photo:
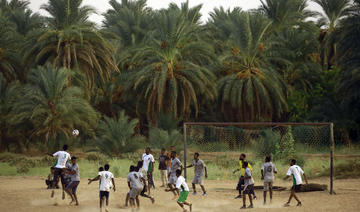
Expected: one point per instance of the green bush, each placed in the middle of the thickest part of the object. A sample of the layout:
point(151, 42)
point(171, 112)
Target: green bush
point(159, 138)
point(118, 136)
point(267, 143)
point(96, 158)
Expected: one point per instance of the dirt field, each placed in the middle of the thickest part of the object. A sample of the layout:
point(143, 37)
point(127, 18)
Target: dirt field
point(28, 194)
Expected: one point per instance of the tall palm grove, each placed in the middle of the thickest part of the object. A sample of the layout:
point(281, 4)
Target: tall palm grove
point(141, 73)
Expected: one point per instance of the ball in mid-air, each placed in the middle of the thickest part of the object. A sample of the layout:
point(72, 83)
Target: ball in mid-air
point(75, 132)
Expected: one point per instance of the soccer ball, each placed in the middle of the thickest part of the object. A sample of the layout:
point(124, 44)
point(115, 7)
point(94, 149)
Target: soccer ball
point(75, 132)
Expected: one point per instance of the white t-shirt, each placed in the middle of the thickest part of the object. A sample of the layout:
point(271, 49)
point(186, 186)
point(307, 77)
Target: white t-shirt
point(135, 180)
point(268, 169)
point(62, 158)
point(295, 171)
point(249, 181)
point(181, 184)
point(147, 159)
point(105, 180)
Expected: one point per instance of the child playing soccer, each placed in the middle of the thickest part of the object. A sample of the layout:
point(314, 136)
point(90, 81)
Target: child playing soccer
point(240, 184)
point(107, 181)
point(249, 185)
point(295, 171)
point(148, 165)
point(267, 174)
point(175, 165)
point(181, 184)
point(199, 172)
point(163, 159)
point(136, 185)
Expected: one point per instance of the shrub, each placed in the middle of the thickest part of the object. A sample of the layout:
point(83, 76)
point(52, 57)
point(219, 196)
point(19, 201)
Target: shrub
point(267, 143)
point(285, 146)
point(160, 138)
point(96, 158)
point(118, 136)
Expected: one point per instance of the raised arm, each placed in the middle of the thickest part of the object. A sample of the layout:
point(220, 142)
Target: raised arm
point(94, 179)
point(206, 173)
point(262, 174)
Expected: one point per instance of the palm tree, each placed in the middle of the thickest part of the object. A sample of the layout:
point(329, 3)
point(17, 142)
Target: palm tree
point(8, 95)
point(51, 106)
point(251, 88)
point(117, 136)
point(130, 22)
point(335, 11)
point(8, 48)
point(71, 41)
point(286, 13)
point(174, 69)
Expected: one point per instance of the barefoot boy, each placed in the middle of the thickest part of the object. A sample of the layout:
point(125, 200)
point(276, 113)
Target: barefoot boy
point(107, 181)
point(267, 174)
point(295, 172)
point(249, 185)
point(181, 185)
point(199, 173)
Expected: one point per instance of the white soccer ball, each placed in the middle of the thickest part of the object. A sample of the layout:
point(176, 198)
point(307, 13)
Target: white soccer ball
point(75, 132)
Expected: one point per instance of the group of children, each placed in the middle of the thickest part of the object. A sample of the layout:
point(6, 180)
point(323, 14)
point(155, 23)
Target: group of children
point(268, 169)
point(140, 178)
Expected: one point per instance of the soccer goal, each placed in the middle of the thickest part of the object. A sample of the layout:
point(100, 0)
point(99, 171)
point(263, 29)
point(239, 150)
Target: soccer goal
point(310, 143)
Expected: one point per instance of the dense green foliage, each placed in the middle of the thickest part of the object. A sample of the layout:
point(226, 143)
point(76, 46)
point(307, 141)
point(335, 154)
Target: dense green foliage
point(279, 62)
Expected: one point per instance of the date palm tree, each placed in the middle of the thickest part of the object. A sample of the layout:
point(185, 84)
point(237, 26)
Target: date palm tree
point(174, 69)
point(51, 106)
point(71, 41)
point(251, 89)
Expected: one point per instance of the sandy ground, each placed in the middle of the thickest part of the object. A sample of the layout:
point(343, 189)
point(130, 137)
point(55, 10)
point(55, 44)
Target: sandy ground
point(19, 194)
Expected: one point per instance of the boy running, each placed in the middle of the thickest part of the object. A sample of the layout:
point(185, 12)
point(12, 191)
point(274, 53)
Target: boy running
point(181, 184)
point(198, 173)
point(62, 158)
point(163, 159)
point(71, 188)
point(267, 174)
point(136, 185)
point(240, 184)
point(175, 165)
point(148, 165)
point(295, 171)
point(249, 185)
point(107, 181)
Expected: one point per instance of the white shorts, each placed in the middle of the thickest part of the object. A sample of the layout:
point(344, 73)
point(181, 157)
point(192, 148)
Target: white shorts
point(172, 179)
point(197, 180)
point(134, 192)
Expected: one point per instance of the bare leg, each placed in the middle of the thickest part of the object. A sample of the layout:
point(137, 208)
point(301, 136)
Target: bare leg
point(244, 201)
point(127, 199)
point(171, 187)
point(265, 197)
point(101, 202)
point(68, 191)
point(76, 199)
point(132, 203)
point(203, 189)
point(250, 199)
point(189, 204)
point(107, 201)
point(194, 187)
point(137, 201)
point(271, 193)
point(181, 205)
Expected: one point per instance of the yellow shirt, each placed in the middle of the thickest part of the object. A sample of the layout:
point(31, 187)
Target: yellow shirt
point(242, 170)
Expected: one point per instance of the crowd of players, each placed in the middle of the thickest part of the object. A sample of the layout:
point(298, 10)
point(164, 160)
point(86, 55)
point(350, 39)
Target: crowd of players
point(140, 178)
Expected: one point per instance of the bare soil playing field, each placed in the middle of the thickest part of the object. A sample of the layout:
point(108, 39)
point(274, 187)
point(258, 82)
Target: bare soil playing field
point(19, 194)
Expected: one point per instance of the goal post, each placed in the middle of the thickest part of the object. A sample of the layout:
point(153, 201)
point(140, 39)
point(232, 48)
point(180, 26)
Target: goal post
point(279, 139)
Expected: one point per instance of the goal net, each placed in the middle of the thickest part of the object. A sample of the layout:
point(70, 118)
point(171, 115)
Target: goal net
point(311, 144)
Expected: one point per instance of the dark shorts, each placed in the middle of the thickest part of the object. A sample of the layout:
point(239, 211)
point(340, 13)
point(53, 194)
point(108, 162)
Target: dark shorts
point(240, 184)
point(104, 194)
point(296, 187)
point(58, 173)
point(73, 186)
point(249, 189)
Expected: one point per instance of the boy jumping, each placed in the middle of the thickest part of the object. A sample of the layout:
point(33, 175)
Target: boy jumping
point(267, 174)
point(107, 181)
point(181, 184)
point(198, 173)
point(295, 171)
